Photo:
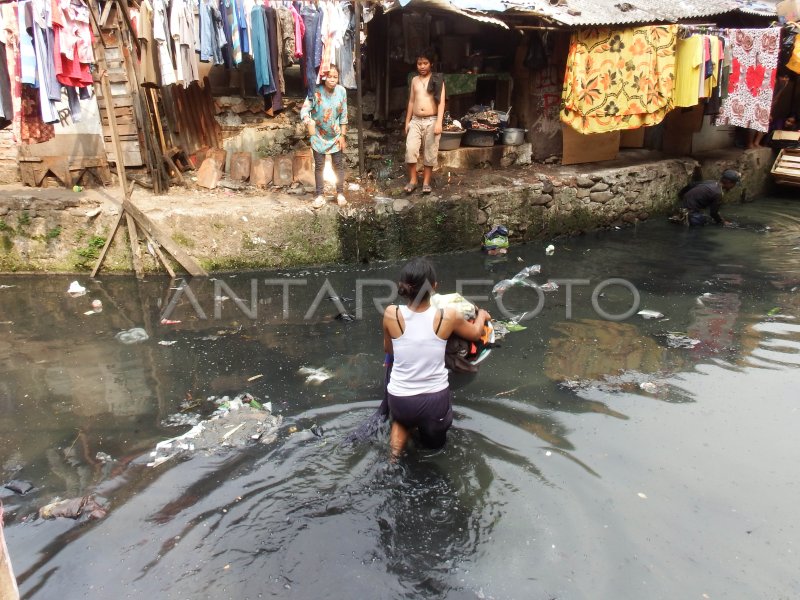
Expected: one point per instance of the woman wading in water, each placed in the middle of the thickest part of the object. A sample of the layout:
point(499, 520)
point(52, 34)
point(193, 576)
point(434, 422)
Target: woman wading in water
point(416, 334)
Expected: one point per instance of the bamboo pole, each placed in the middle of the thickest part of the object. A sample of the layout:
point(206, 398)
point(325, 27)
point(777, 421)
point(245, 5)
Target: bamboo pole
point(359, 99)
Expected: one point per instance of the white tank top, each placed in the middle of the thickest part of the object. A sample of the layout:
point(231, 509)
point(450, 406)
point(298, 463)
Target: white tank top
point(418, 356)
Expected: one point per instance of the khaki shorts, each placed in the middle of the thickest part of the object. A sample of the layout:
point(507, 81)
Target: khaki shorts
point(420, 132)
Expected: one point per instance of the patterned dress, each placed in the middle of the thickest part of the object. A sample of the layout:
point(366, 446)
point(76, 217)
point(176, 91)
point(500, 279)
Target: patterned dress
point(329, 112)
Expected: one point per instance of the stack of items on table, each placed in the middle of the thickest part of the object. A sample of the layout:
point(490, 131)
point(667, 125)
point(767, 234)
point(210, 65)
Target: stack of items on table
point(482, 124)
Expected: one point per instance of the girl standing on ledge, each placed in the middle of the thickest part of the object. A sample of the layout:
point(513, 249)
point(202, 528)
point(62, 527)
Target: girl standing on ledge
point(325, 116)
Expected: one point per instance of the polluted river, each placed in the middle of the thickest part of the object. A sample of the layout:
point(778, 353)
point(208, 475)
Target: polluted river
point(598, 453)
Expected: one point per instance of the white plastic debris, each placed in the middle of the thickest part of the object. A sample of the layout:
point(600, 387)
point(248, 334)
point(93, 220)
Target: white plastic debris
point(550, 250)
point(650, 314)
point(649, 387)
point(167, 342)
point(97, 305)
point(134, 335)
point(641, 495)
point(315, 376)
point(76, 289)
point(550, 286)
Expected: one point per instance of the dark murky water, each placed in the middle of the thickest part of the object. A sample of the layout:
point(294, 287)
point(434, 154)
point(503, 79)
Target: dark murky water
point(589, 459)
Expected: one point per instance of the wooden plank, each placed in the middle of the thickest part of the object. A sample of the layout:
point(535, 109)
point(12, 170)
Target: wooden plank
point(136, 251)
point(107, 245)
point(210, 111)
point(119, 111)
point(122, 129)
point(118, 101)
point(131, 159)
point(178, 253)
point(160, 255)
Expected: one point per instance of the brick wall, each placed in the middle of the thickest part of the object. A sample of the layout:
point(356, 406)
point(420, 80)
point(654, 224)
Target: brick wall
point(9, 169)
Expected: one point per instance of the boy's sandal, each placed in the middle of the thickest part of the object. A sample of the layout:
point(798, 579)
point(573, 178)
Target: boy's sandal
point(426, 189)
point(410, 187)
point(318, 202)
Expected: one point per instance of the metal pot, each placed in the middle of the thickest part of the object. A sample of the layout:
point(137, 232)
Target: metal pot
point(513, 136)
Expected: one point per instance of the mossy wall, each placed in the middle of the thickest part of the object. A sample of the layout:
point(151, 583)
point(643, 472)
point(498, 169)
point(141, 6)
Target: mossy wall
point(66, 234)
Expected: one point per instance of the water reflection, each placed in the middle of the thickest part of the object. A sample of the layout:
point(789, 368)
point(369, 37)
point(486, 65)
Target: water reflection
point(552, 443)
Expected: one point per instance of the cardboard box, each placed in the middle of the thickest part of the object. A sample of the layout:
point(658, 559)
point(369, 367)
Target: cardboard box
point(788, 136)
point(789, 10)
point(680, 125)
point(581, 148)
point(632, 138)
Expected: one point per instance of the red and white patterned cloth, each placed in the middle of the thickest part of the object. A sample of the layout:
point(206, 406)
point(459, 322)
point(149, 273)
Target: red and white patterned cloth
point(752, 79)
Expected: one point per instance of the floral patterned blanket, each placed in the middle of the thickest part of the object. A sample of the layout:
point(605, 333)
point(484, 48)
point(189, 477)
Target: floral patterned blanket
point(619, 78)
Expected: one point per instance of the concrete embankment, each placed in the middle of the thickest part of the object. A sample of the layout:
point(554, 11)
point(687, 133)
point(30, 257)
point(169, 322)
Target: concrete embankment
point(59, 230)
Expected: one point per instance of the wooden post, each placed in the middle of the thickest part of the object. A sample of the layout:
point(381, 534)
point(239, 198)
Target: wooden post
point(102, 68)
point(388, 65)
point(160, 254)
point(109, 239)
point(359, 100)
point(136, 251)
point(169, 245)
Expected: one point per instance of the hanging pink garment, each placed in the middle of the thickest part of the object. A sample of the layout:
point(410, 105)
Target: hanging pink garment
point(27, 126)
point(752, 79)
point(299, 32)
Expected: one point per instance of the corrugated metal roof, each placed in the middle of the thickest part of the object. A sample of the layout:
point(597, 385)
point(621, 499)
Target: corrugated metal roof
point(448, 6)
point(618, 12)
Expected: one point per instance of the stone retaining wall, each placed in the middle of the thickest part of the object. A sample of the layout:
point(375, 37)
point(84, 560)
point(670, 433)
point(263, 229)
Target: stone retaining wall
point(60, 231)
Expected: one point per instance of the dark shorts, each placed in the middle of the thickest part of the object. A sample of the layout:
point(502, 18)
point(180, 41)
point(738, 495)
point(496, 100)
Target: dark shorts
point(432, 414)
point(698, 219)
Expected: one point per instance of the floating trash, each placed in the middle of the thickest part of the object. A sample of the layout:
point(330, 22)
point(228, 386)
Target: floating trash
point(76, 290)
point(315, 376)
point(649, 387)
point(676, 339)
point(134, 335)
point(74, 509)
point(235, 424)
point(181, 420)
point(650, 314)
point(521, 279)
point(550, 250)
point(550, 286)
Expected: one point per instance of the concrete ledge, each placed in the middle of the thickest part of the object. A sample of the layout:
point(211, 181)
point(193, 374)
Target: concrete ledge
point(496, 156)
point(58, 230)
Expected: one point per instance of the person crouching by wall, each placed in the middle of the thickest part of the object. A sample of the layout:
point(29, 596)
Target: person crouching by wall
point(695, 198)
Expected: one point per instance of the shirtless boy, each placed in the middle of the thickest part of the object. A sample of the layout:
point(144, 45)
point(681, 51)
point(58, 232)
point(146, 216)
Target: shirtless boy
point(423, 123)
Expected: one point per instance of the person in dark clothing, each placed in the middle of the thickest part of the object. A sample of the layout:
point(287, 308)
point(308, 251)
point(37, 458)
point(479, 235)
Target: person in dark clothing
point(696, 198)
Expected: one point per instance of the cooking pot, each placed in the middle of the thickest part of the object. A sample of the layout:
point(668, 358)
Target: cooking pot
point(513, 136)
